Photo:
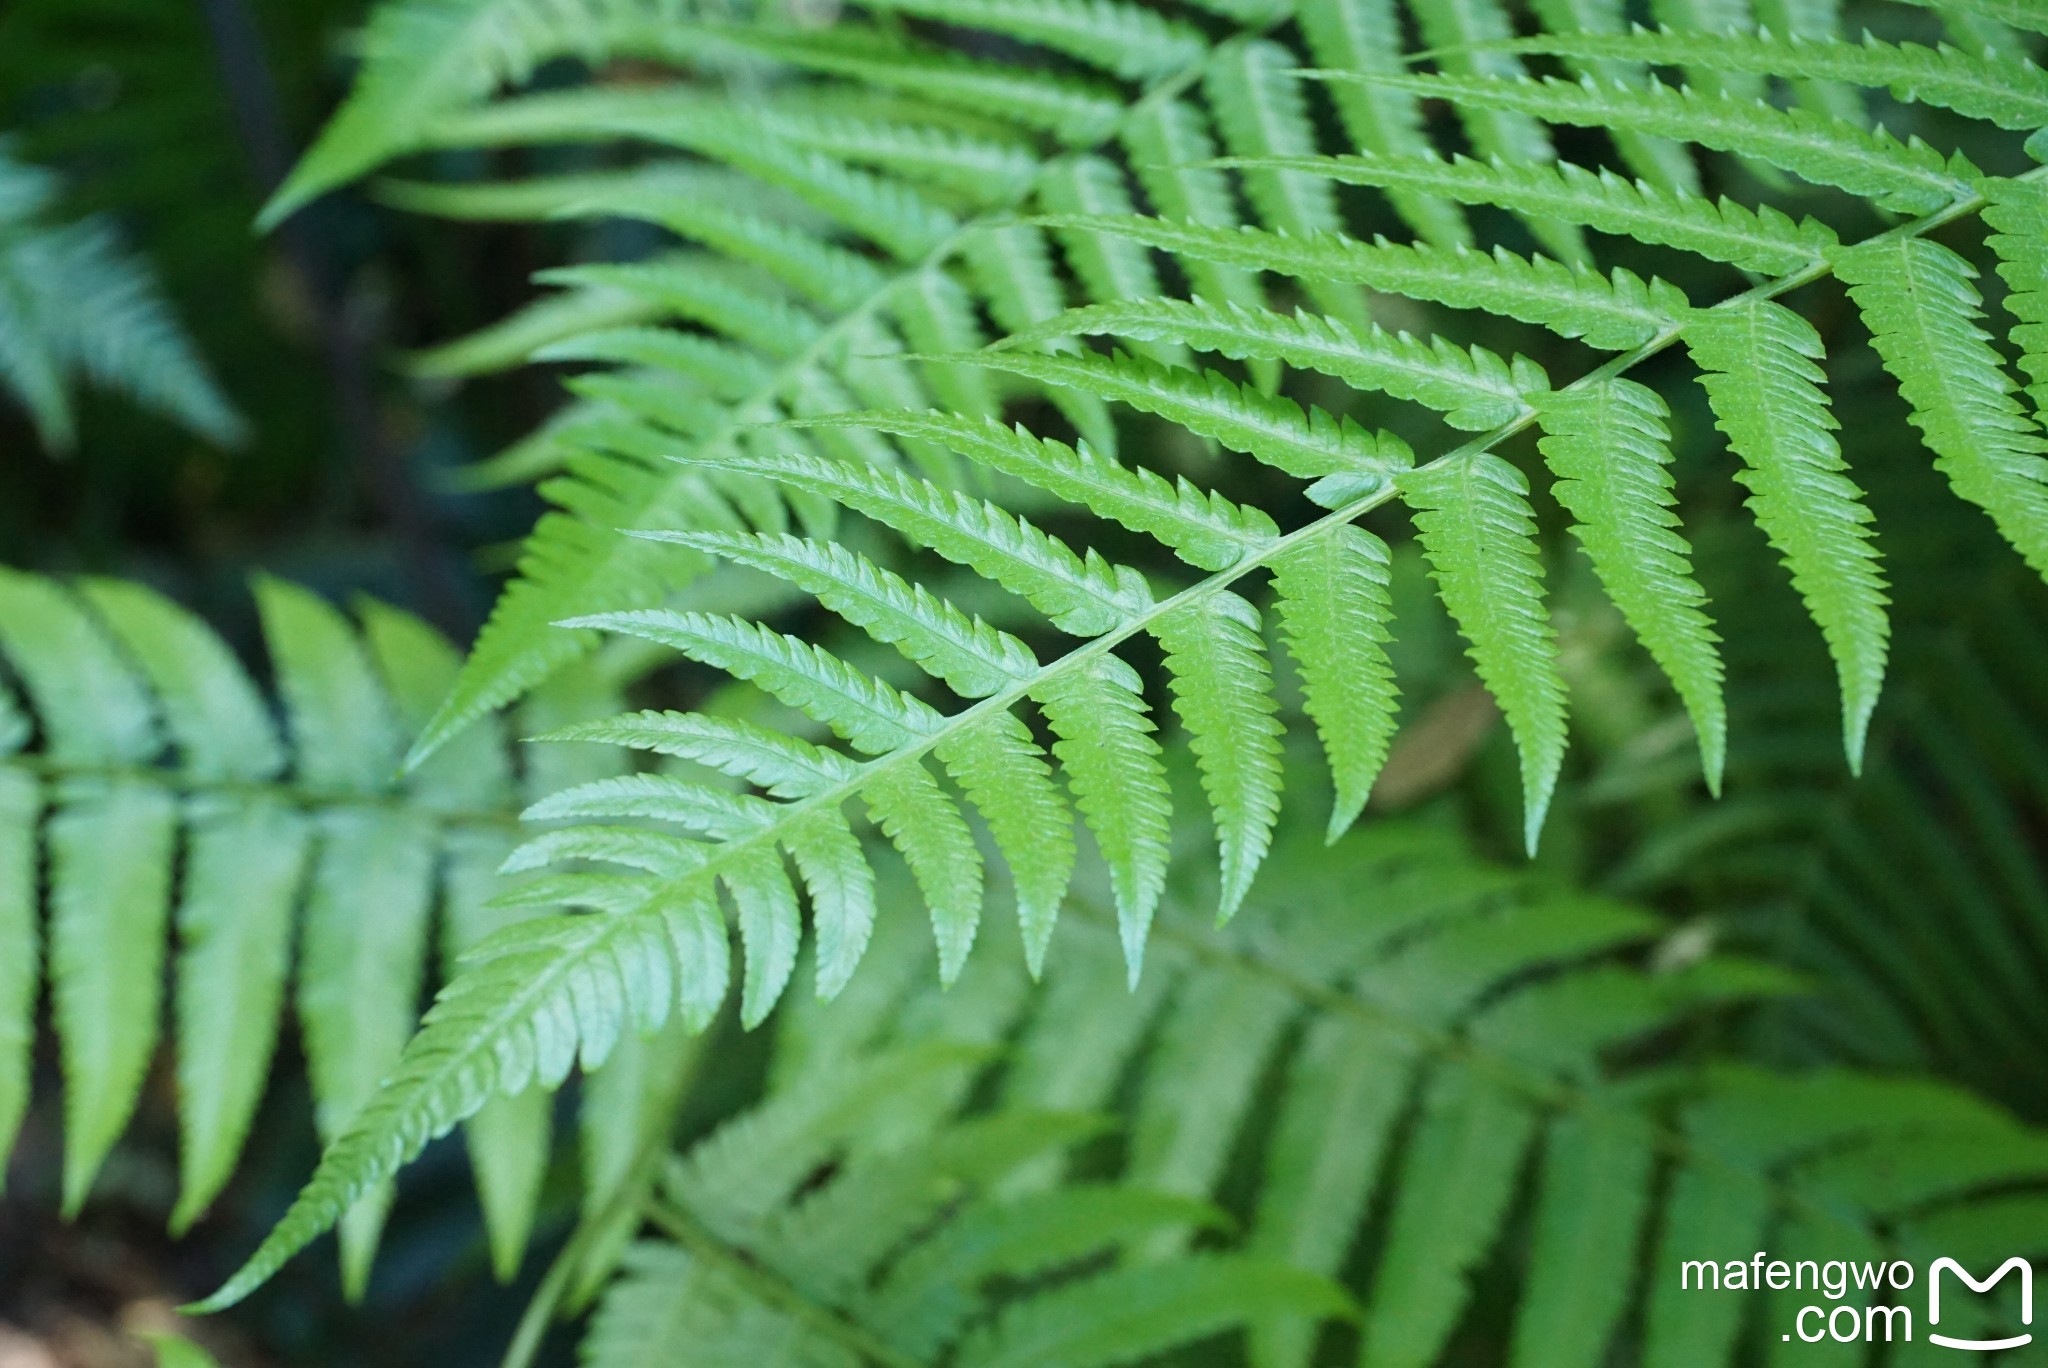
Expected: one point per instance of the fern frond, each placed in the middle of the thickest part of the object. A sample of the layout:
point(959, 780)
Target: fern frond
point(1924, 316)
point(1764, 385)
point(1334, 607)
point(1910, 177)
point(1365, 36)
point(1477, 530)
point(1099, 716)
point(1609, 447)
point(534, 1000)
point(1660, 161)
point(1206, 529)
point(1614, 312)
point(1466, 35)
point(1473, 389)
point(1082, 594)
point(1310, 445)
point(2014, 12)
point(2005, 89)
point(1223, 690)
point(1122, 38)
point(1757, 240)
point(76, 305)
point(2018, 210)
point(423, 59)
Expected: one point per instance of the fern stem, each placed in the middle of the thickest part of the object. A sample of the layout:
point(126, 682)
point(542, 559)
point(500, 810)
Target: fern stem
point(684, 1228)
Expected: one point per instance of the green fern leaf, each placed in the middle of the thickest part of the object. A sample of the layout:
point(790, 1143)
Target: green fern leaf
point(823, 273)
point(1097, 711)
point(95, 713)
point(973, 658)
point(782, 765)
point(534, 1000)
point(2017, 13)
point(1206, 529)
point(244, 867)
point(1260, 112)
point(362, 962)
point(426, 58)
point(1473, 389)
point(1121, 38)
point(1365, 36)
point(509, 1138)
point(1765, 390)
point(867, 712)
point(244, 861)
point(1310, 445)
point(1217, 1037)
point(2018, 210)
point(365, 939)
point(842, 887)
point(926, 826)
point(1660, 161)
point(1467, 35)
point(2001, 88)
point(1070, 109)
point(938, 316)
point(107, 918)
point(1609, 447)
point(1223, 692)
point(1755, 239)
point(1591, 1208)
point(21, 804)
point(1130, 1313)
point(1334, 612)
point(76, 305)
point(106, 936)
point(1168, 142)
point(1085, 595)
point(1005, 776)
point(1924, 315)
point(1109, 267)
point(1454, 1189)
point(1910, 177)
point(1478, 532)
point(1614, 313)
point(944, 158)
point(1012, 266)
point(770, 927)
point(1348, 1087)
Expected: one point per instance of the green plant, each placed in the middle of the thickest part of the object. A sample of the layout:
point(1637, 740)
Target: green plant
point(143, 734)
point(861, 203)
point(75, 306)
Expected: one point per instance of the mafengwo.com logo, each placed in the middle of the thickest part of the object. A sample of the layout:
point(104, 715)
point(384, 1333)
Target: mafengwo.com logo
point(1875, 1302)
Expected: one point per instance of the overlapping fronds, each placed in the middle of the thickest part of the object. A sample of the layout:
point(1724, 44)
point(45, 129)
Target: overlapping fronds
point(153, 814)
point(77, 307)
point(871, 208)
point(1413, 1071)
point(779, 370)
point(1839, 876)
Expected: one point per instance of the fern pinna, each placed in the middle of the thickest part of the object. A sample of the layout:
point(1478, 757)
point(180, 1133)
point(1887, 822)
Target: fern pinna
point(152, 810)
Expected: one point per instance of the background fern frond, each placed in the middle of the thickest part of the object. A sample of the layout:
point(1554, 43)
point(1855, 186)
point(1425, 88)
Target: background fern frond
point(76, 305)
point(140, 731)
